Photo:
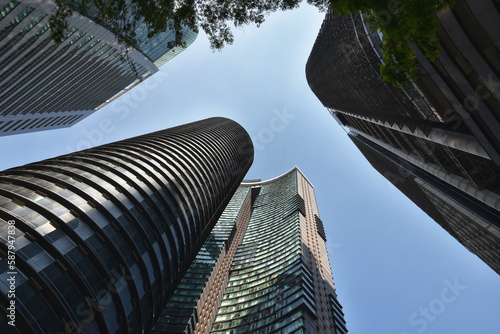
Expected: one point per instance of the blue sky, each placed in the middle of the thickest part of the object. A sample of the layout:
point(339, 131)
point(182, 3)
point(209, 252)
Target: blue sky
point(396, 271)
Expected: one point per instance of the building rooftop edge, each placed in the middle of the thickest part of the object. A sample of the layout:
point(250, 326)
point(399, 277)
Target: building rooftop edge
point(259, 183)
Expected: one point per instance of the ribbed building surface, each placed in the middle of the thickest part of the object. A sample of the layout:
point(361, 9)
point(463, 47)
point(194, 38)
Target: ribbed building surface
point(474, 224)
point(103, 236)
point(47, 85)
point(264, 268)
point(445, 124)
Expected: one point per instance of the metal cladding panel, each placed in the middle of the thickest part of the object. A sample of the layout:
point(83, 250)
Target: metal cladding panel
point(104, 235)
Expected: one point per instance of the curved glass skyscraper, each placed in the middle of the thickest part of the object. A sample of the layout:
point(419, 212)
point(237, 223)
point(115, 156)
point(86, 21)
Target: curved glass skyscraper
point(442, 131)
point(280, 279)
point(97, 240)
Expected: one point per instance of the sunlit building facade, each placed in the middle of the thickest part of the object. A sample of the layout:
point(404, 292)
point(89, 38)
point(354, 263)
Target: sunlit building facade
point(445, 125)
point(264, 268)
point(103, 236)
point(47, 85)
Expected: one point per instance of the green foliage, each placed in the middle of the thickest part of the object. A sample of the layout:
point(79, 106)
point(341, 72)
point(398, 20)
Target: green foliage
point(58, 23)
point(122, 17)
point(402, 22)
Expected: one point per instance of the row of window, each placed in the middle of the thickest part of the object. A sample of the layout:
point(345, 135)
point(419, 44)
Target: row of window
point(265, 283)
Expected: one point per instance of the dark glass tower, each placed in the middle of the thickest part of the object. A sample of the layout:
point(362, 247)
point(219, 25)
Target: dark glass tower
point(445, 125)
point(473, 223)
point(47, 85)
point(103, 236)
point(264, 268)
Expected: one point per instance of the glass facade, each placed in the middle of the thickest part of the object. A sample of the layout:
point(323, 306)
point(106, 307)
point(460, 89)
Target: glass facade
point(266, 276)
point(343, 71)
point(103, 236)
point(471, 222)
point(445, 125)
point(44, 80)
point(195, 302)
point(280, 278)
point(268, 271)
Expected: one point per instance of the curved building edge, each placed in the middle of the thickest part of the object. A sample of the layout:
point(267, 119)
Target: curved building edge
point(104, 235)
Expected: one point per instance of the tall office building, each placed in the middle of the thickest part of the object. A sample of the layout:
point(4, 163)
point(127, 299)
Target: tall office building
point(96, 241)
point(47, 85)
point(443, 130)
point(470, 221)
point(263, 269)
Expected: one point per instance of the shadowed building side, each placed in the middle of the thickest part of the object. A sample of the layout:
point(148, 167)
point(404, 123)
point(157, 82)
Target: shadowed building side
point(103, 236)
point(445, 125)
point(474, 224)
point(458, 92)
point(343, 72)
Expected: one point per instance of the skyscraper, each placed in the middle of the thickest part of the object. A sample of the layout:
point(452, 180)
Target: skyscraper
point(443, 129)
point(263, 269)
point(47, 85)
point(98, 240)
point(470, 221)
